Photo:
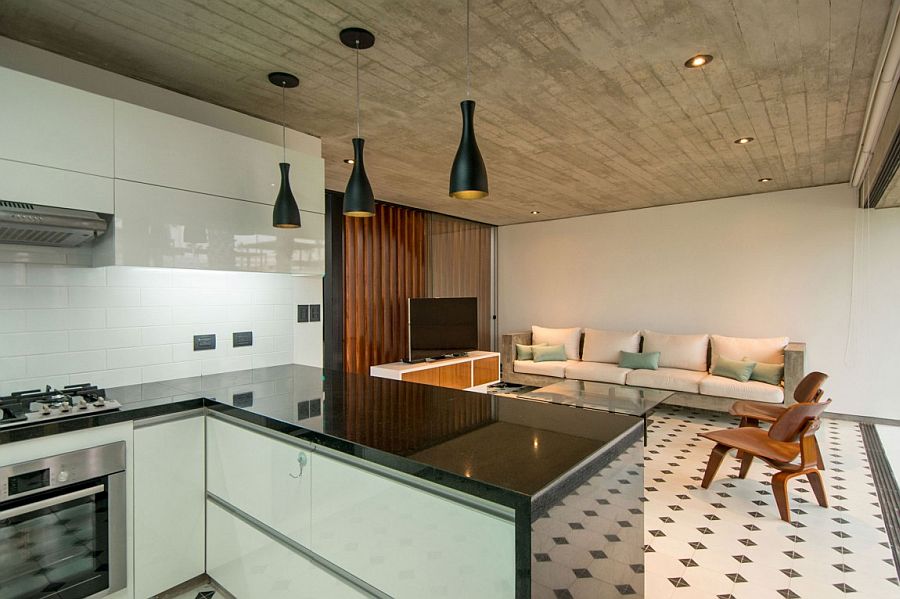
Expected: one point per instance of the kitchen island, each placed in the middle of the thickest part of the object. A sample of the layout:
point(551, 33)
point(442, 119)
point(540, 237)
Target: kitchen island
point(387, 488)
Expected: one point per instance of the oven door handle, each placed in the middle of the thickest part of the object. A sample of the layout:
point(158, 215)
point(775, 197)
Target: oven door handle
point(51, 501)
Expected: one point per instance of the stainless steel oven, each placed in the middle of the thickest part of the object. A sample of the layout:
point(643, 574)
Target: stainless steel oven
point(62, 525)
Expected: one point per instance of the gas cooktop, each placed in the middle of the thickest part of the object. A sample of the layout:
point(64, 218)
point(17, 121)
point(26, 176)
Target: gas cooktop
point(33, 406)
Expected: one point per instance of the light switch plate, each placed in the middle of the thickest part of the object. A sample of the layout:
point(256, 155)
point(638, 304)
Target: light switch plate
point(242, 400)
point(242, 339)
point(303, 313)
point(203, 342)
point(315, 312)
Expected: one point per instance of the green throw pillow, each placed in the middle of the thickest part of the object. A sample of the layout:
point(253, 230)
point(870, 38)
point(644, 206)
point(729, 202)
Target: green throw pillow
point(647, 361)
point(549, 353)
point(767, 373)
point(524, 352)
point(733, 369)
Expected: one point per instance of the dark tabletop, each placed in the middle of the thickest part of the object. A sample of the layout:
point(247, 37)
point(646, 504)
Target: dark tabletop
point(474, 442)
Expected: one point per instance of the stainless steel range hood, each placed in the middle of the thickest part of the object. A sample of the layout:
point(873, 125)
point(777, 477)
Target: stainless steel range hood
point(31, 224)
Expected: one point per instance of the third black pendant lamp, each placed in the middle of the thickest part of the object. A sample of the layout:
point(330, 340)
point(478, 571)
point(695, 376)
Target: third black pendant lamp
point(285, 214)
point(358, 197)
point(468, 176)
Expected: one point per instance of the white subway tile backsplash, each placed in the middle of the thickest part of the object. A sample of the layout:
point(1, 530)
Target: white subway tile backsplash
point(117, 326)
point(104, 339)
point(139, 317)
point(139, 356)
point(89, 297)
point(26, 344)
point(34, 297)
point(66, 319)
point(66, 276)
point(65, 363)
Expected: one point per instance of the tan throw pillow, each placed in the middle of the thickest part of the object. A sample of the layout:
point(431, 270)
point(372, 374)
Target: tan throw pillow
point(606, 346)
point(569, 338)
point(687, 352)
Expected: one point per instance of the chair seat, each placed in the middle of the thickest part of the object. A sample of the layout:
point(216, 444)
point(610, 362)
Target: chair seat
point(756, 441)
point(761, 411)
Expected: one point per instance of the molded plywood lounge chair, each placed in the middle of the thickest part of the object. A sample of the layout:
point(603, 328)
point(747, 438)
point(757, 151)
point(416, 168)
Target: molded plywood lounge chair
point(791, 435)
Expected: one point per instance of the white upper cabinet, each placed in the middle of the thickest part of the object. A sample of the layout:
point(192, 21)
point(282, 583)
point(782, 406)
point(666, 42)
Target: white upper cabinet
point(46, 123)
point(33, 184)
point(156, 148)
point(158, 226)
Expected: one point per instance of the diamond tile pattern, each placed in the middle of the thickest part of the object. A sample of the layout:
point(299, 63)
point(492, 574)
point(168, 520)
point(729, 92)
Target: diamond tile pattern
point(726, 541)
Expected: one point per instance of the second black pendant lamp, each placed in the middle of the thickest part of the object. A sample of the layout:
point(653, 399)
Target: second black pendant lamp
point(468, 175)
point(285, 214)
point(358, 197)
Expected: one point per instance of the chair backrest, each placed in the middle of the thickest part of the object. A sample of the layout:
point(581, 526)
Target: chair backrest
point(794, 419)
point(807, 388)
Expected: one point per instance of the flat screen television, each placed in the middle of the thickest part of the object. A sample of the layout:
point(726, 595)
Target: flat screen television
point(442, 326)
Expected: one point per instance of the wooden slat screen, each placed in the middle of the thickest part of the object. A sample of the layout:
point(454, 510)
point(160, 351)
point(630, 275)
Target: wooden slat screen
point(459, 265)
point(384, 264)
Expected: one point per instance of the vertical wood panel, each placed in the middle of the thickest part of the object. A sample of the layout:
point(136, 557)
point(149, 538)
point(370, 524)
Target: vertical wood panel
point(385, 260)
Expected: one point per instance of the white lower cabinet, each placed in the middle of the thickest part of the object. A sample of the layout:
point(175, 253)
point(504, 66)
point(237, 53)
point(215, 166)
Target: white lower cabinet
point(260, 476)
point(252, 565)
point(408, 542)
point(169, 523)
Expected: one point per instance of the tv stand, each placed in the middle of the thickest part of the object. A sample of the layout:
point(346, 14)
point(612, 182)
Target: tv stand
point(473, 371)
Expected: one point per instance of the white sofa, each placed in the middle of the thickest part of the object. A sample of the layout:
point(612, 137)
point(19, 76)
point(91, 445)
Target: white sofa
point(684, 363)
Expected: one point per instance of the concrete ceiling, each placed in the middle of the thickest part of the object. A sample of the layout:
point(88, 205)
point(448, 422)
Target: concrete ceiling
point(583, 107)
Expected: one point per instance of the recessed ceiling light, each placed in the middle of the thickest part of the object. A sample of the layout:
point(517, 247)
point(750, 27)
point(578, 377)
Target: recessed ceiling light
point(764, 179)
point(743, 140)
point(700, 60)
point(348, 161)
point(535, 211)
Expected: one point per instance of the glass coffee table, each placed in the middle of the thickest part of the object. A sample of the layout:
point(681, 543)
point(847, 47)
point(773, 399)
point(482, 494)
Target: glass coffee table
point(618, 399)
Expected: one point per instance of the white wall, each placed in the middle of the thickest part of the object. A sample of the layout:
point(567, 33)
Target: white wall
point(308, 341)
point(779, 263)
point(124, 325)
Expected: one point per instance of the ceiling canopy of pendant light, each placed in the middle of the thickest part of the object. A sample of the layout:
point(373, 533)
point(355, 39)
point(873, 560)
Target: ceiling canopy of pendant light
point(359, 200)
point(285, 214)
point(468, 175)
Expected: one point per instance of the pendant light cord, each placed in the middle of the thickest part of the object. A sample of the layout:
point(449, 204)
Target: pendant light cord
point(357, 88)
point(468, 72)
point(283, 120)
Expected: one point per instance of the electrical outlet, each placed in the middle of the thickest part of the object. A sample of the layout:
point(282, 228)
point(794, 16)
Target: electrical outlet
point(242, 339)
point(203, 342)
point(242, 400)
point(303, 313)
point(315, 312)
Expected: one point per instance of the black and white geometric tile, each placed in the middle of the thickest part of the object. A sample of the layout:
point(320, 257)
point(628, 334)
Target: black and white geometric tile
point(723, 542)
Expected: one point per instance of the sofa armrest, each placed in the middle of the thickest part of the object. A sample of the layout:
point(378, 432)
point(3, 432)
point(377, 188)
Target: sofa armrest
point(508, 343)
point(794, 369)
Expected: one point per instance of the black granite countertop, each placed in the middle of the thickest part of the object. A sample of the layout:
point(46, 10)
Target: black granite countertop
point(496, 448)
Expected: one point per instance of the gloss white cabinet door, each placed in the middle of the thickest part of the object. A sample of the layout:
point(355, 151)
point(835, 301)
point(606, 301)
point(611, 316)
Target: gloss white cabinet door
point(46, 123)
point(260, 476)
point(405, 541)
point(160, 149)
point(251, 565)
point(169, 504)
point(35, 184)
point(158, 226)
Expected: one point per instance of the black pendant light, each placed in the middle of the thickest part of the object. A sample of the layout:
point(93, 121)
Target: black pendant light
point(358, 197)
point(286, 214)
point(468, 176)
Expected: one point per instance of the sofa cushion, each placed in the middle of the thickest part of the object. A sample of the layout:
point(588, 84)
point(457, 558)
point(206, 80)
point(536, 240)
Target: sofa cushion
point(597, 371)
point(769, 350)
point(604, 346)
point(672, 379)
point(557, 369)
point(752, 390)
point(685, 352)
point(649, 361)
point(570, 338)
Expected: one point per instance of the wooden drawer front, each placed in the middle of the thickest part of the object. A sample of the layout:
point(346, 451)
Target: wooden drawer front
point(250, 564)
point(426, 376)
point(486, 370)
point(258, 475)
point(457, 376)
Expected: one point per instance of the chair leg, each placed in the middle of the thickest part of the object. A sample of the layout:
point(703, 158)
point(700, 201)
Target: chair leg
point(746, 461)
point(712, 465)
point(779, 489)
point(818, 486)
point(820, 462)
